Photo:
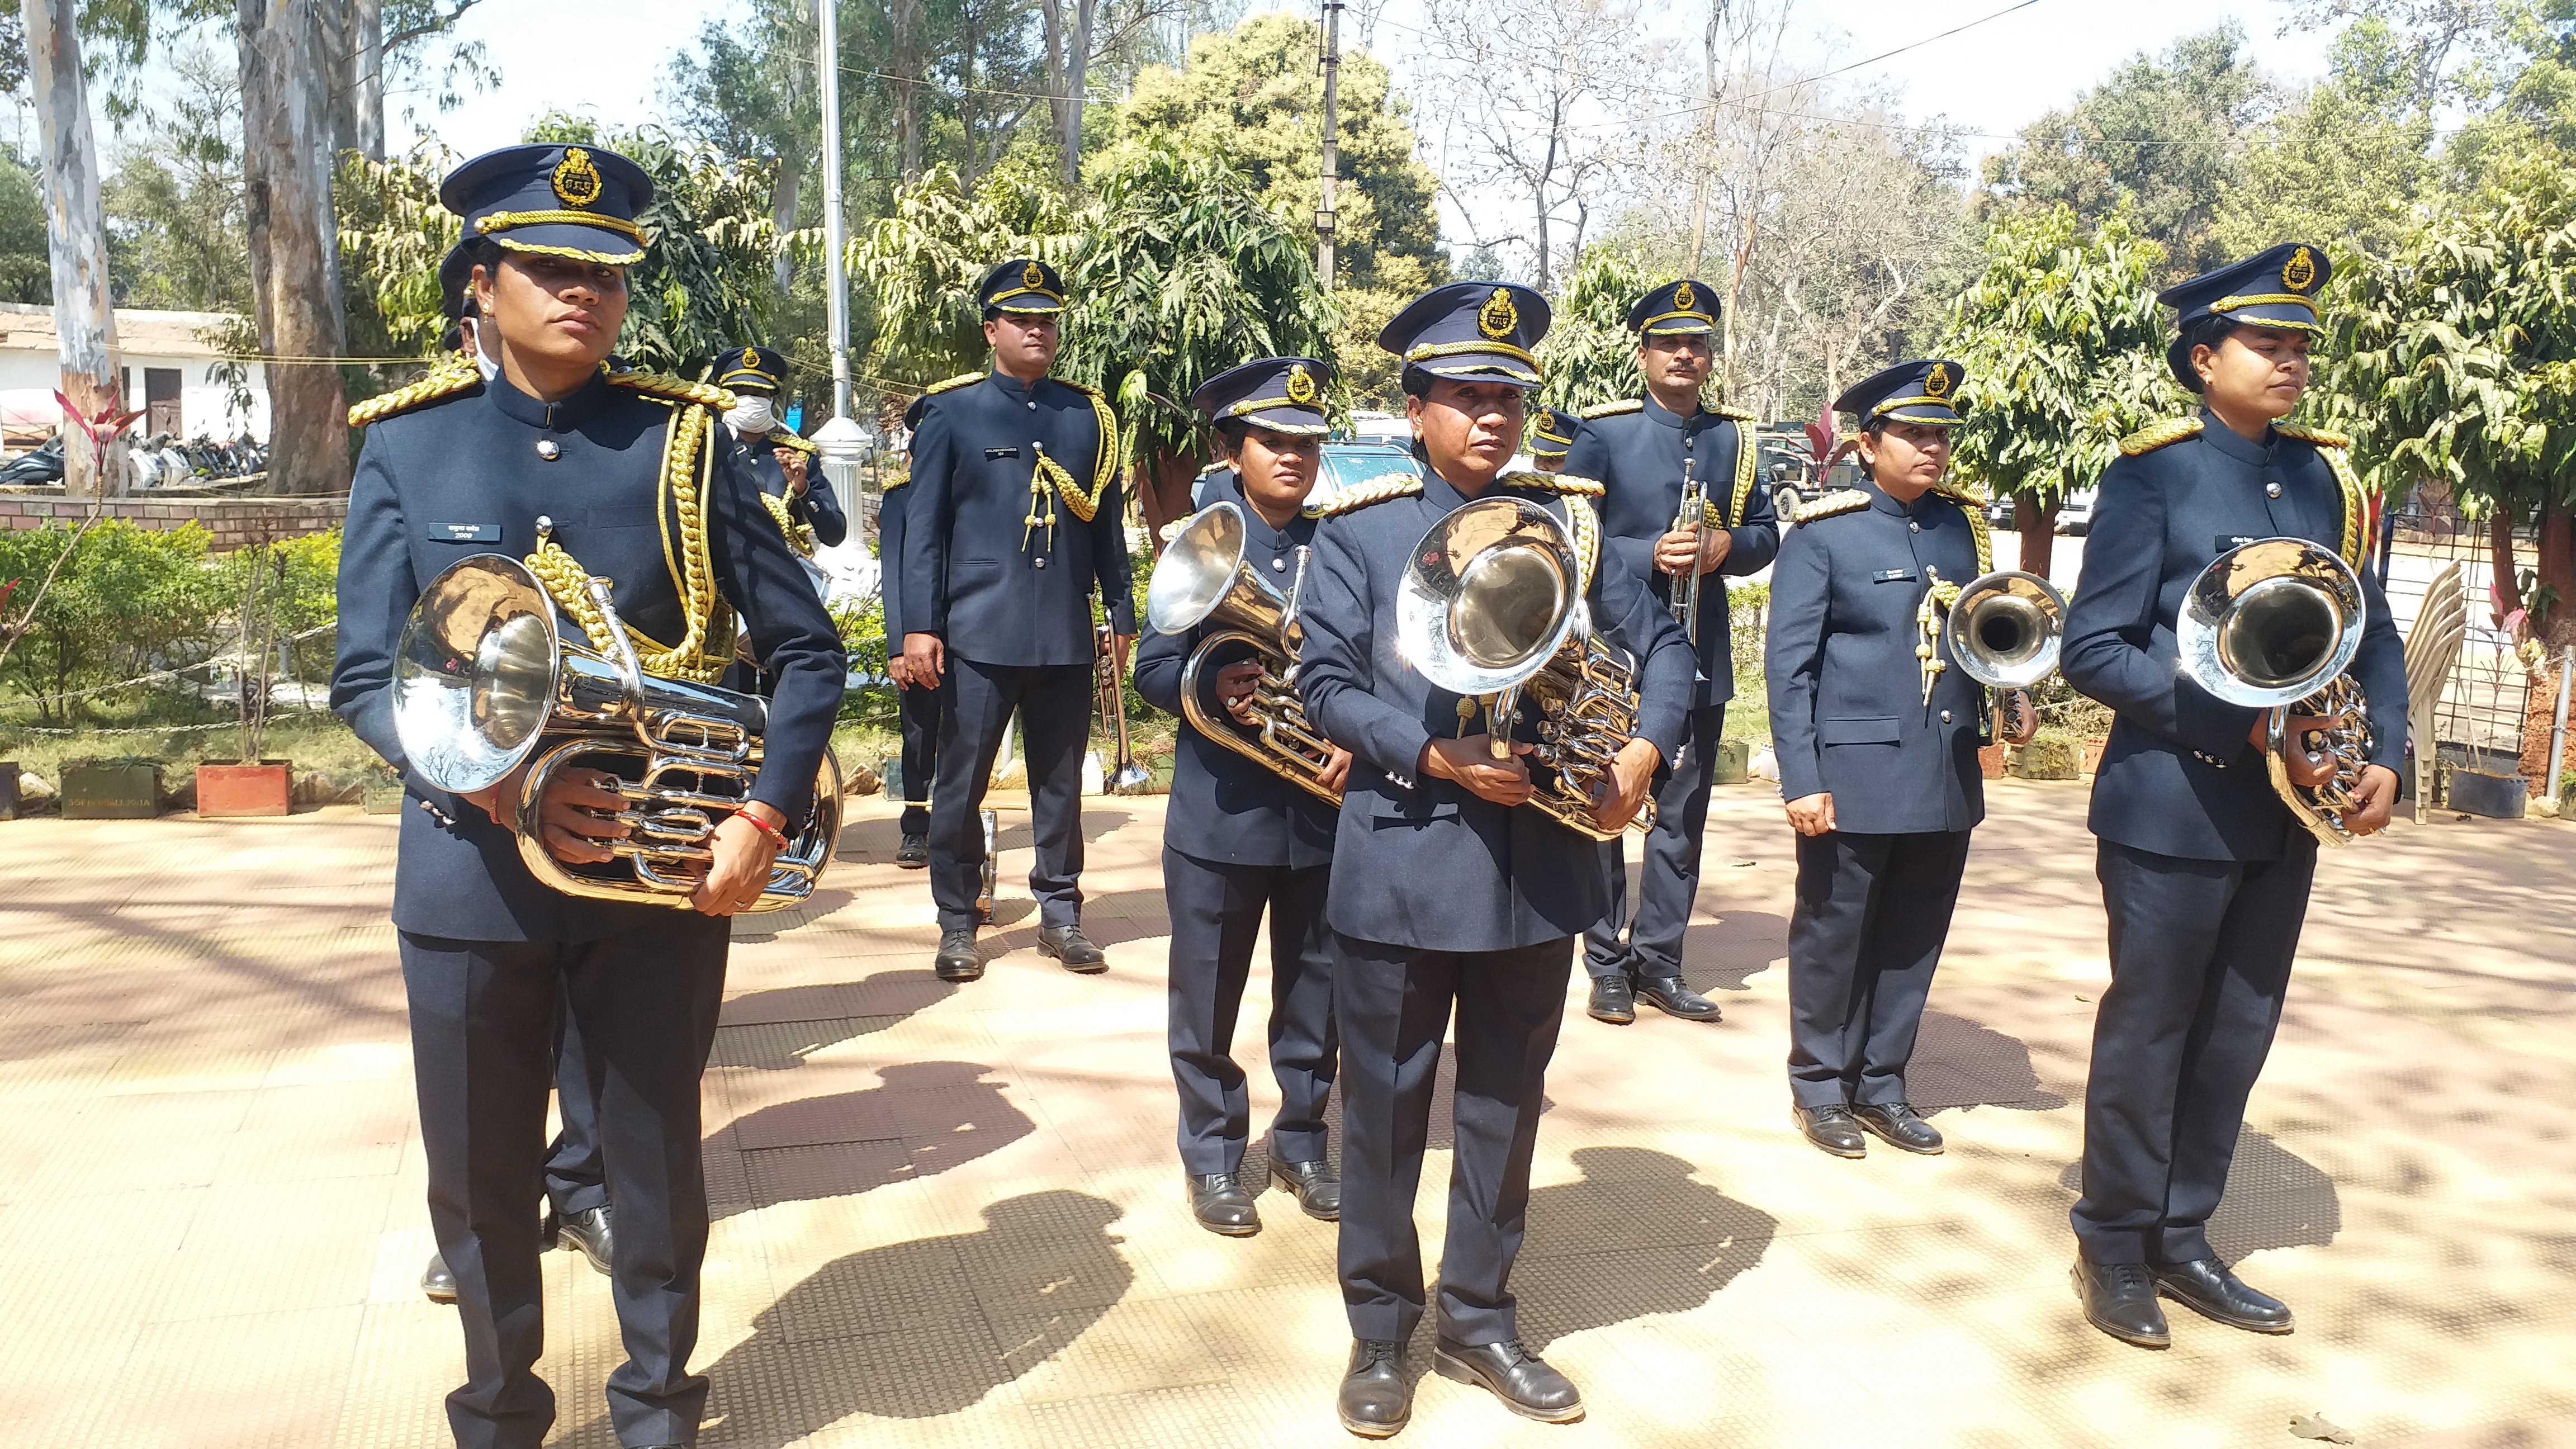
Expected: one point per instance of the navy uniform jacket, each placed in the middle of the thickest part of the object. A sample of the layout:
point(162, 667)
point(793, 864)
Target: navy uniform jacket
point(819, 509)
point(1637, 452)
point(995, 590)
point(460, 475)
point(1847, 708)
point(1425, 862)
point(1224, 808)
point(2163, 514)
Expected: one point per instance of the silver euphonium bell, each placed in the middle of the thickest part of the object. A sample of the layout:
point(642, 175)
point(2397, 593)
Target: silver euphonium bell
point(483, 682)
point(2273, 625)
point(1203, 577)
point(2006, 629)
point(1491, 607)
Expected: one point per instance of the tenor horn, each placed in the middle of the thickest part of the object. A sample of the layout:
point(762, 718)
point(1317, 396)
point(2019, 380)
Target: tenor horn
point(2274, 625)
point(2006, 629)
point(484, 682)
point(1491, 607)
point(1203, 577)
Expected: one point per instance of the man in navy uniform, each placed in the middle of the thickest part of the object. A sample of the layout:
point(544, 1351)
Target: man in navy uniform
point(1239, 838)
point(1015, 515)
point(1877, 734)
point(2205, 871)
point(767, 450)
point(1641, 449)
point(1443, 896)
point(582, 471)
point(921, 705)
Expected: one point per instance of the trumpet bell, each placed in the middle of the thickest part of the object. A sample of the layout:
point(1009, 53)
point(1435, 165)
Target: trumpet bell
point(474, 673)
point(2007, 628)
point(1488, 597)
point(2271, 622)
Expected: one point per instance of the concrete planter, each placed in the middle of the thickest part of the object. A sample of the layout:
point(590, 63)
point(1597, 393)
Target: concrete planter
point(1990, 761)
point(2094, 745)
point(226, 792)
point(382, 796)
point(111, 789)
point(1734, 761)
point(2498, 797)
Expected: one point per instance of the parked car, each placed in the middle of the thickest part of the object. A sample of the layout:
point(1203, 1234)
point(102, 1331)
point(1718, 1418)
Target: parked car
point(2075, 513)
point(1346, 465)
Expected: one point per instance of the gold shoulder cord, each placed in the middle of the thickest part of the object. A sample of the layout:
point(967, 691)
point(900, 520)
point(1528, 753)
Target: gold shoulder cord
point(2332, 446)
point(1104, 468)
point(1743, 476)
point(1938, 595)
point(1586, 528)
point(800, 536)
point(1975, 509)
point(454, 374)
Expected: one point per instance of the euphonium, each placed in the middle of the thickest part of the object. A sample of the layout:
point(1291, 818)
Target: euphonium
point(2006, 628)
point(1491, 607)
point(2273, 624)
point(484, 681)
point(1203, 577)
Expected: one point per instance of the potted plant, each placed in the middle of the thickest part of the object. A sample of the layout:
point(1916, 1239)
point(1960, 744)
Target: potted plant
point(2049, 756)
point(122, 788)
point(251, 786)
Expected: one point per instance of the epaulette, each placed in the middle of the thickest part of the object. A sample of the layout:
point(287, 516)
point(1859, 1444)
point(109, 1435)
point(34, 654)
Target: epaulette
point(2156, 435)
point(1558, 483)
point(1082, 387)
point(963, 379)
point(1375, 490)
point(780, 437)
point(1723, 411)
point(1965, 497)
point(676, 389)
point(1847, 500)
point(2322, 437)
point(450, 378)
point(1614, 409)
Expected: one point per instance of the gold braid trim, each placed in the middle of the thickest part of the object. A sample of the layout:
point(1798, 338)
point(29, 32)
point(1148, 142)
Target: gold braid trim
point(1848, 500)
point(1586, 528)
point(674, 389)
point(1623, 406)
point(687, 481)
point(2332, 447)
point(1375, 490)
point(800, 536)
point(1940, 594)
point(579, 254)
point(781, 438)
point(1564, 485)
point(1975, 508)
point(2156, 435)
point(1104, 466)
point(1743, 475)
point(962, 379)
point(453, 375)
point(505, 220)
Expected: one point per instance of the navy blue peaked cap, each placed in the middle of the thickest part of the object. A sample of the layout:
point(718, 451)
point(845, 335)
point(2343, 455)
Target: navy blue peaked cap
point(1552, 436)
point(751, 369)
point(564, 201)
point(1909, 392)
point(1023, 285)
point(2277, 288)
point(1283, 394)
point(1676, 309)
point(1472, 332)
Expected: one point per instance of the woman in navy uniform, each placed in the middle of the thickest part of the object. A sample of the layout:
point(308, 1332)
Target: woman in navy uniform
point(1877, 737)
point(1015, 513)
point(1640, 449)
point(2205, 872)
point(1443, 897)
point(564, 462)
point(1238, 838)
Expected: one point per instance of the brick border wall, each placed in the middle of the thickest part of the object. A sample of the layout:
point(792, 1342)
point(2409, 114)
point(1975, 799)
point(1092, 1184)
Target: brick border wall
point(233, 521)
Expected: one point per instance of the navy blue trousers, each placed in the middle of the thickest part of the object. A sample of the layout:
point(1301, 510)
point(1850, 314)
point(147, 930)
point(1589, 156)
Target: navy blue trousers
point(1669, 882)
point(920, 712)
point(1216, 915)
point(1054, 704)
point(1865, 937)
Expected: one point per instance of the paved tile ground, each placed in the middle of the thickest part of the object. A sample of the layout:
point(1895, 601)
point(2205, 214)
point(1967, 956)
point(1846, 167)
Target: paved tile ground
point(952, 1216)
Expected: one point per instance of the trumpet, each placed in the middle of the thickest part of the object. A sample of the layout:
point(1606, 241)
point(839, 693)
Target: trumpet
point(484, 682)
point(1126, 777)
point(2274, 624)
point(2006, 629)
point(1692, 518)
point(1203, 577)
point(1491, 608)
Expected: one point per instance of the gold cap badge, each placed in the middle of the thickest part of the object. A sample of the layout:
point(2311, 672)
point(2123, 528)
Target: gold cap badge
point(1684, 298)
point(2300, 272)
point(1498, 316)
point(1032, 276)
point(1301, 384)
point(577, 181)
point(1936, 383)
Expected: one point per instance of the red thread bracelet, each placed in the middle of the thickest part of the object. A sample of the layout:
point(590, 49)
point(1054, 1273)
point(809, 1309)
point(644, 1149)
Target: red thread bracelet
point(777, 837)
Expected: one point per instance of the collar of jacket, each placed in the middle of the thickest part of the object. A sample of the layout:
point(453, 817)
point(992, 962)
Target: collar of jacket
point(2227, 441)
point(1881, 501)
point(1012, 388)
point(561, 417)
point(1671, 419)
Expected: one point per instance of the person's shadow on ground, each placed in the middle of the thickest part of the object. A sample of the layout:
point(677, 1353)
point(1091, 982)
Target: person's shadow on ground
point(915, 1330)
point(925, 1118)
point(1638, 1235)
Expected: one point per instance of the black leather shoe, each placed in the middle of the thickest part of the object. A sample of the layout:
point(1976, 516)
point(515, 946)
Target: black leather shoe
point(1673, 997)
point(1832, 1129)
point(1611, 1001)
point(1376, 1401)
point(2120, 1300)
point(437, 1284)
point(1218, 1201)
point(914, 853)
point(586, 1233)
point(1319, 1193)
point(1526, 1386)
point(958, 959)
point(2206, 1287)
point(1899, 1125)
point(1068, 945)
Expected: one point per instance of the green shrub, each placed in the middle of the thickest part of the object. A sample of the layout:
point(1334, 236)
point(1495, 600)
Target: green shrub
point(128, 600)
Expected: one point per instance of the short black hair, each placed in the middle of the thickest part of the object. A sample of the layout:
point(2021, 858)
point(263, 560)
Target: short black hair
point(1417, 382)
point(2207, 332)
point(1230, 434)
point(480, 251)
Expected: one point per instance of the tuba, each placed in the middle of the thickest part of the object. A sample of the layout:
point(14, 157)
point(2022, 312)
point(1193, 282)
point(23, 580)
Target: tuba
point(1491, 608)
point(1203, 577)
point(2006, 628)
point(2273, 624)
point(484, 682)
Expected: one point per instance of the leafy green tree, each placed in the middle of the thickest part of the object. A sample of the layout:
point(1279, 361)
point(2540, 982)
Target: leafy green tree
point(2346, 163)
point(177, 233)
point(26, 273)
point(1589, 355)
point(2455, 360)
point(128, 600)
point(2064, 350)
point(922, 263)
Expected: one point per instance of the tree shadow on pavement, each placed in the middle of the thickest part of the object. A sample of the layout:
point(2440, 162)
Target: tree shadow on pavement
point(927, 1118)
point(1638, 1235)
point(1962, 1063)
point(2275, 1199)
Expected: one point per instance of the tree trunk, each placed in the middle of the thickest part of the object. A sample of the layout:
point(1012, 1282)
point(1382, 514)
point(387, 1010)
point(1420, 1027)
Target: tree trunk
point(1059, 99)
point(294, 245)
point(782, 214)
point(1076, 63)
point(1166, 492)
point(2554, 588)
point(2504, 584)
point(2037, 526)
point(76, 245)
point(366, 33)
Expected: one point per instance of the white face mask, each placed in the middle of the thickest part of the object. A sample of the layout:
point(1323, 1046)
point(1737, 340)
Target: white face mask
point(483, 360)
point(751, 414)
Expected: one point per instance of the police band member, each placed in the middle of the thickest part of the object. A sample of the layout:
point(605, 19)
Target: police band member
point(2204, 872)
point(582, 472)
point(921, 705)
point(765, 448)
point(1550, 436)
point(1876, 733)
point(1641, 449)
point(1444, 897)
point(1015, 514)
point(1239, 839)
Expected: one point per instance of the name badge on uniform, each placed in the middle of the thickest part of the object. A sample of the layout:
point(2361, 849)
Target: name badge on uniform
point(465, 532)
point(1892, 576)
point(2227, 541)
point(992, 453)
